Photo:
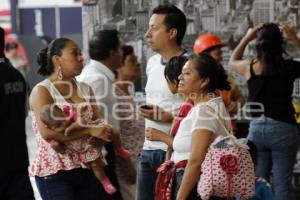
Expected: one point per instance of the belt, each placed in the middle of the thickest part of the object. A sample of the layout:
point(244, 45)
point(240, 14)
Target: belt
point(181, 164)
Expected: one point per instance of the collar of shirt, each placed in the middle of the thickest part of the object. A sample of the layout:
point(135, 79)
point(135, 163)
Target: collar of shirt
point(184, 53)
point(100, 68)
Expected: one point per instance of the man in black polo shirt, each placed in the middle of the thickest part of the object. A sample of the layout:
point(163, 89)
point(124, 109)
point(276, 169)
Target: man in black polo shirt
point(14, 179)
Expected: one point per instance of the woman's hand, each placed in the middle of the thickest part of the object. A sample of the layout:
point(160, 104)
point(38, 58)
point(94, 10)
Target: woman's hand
point(104, 132)
point(289, 33)
point(251, 34)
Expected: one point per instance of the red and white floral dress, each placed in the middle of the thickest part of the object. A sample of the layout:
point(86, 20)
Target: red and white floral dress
point(77, 153)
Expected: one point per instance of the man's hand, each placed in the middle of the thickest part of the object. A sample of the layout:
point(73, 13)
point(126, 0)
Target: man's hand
point(104, 132)
point(155, 113)
point(153, 134)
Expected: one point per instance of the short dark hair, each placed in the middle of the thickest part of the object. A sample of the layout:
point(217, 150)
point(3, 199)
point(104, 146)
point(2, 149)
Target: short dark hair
point(174, 67)
point(102, 42)
point(175, 18)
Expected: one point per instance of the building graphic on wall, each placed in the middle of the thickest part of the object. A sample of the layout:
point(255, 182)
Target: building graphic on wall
point(230, 19)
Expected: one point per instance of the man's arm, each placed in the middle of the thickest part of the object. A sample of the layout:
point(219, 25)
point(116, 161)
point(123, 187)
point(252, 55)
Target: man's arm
point(156, 113)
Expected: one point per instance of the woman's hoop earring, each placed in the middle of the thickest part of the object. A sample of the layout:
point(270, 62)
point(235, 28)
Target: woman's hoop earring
point(60, 74)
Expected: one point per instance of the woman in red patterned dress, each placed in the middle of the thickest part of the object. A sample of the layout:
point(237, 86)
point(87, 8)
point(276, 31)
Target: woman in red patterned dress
point(63, 175)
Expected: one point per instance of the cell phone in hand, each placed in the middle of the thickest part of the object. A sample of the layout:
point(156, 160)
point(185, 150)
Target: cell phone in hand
point(148, 107)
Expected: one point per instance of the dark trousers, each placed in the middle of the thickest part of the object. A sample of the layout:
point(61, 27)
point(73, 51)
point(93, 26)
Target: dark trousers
point(76, 184)
point(15, 185)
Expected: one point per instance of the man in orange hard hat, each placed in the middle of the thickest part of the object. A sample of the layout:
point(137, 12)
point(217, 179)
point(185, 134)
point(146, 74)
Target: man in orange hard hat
point(211, 44)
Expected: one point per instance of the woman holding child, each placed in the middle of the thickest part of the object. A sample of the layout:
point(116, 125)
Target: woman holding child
point(63, 175)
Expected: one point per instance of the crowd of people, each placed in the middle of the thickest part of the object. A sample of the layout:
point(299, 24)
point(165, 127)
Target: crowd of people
point(94, 142)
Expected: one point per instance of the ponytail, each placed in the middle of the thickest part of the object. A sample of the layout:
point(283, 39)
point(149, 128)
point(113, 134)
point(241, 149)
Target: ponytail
point(42, 62)
point(222, 79)
point(44, 57)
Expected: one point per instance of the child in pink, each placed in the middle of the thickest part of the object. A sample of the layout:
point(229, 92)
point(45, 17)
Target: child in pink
point(65, 120)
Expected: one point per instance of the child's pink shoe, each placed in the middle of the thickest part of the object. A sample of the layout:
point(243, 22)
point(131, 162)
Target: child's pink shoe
point(108, 187)
point(123, 153)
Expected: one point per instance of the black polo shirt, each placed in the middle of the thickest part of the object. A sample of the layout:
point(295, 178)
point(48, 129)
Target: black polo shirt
point(13, 149)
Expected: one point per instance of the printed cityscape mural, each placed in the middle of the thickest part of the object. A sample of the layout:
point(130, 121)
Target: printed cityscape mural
point(230, 19)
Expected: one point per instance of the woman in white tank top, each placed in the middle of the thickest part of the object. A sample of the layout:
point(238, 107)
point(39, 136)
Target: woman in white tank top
point(63, 175)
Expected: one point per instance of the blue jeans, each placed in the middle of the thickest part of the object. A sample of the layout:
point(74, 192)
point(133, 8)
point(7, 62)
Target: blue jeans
point(76, 184)
point(148, 162)
point(276, 143)
point(176, 185)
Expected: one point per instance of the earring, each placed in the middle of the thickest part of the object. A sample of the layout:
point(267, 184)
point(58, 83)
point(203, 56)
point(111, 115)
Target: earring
point(60, 74)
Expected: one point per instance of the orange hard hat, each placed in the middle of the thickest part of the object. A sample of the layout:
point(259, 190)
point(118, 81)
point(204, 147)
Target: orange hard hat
point(206, 41)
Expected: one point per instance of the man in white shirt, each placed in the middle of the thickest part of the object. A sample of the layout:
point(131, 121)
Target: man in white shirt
point(106, 56)
point(167, 27)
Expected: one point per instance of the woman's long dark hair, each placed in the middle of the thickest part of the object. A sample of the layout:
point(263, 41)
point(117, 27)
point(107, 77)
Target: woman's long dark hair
point(270, 48)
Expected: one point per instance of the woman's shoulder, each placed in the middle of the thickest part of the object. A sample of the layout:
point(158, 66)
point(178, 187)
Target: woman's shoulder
point(41, 88)
point(210, 108)
point(213, 102)
point(39, 94)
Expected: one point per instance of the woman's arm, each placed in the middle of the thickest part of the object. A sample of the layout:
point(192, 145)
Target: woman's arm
point(235, 62)
point(201, 139)
point(154, 134)
point(40, 97)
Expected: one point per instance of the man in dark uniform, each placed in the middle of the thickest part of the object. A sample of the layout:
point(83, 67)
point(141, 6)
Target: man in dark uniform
point(14, 179)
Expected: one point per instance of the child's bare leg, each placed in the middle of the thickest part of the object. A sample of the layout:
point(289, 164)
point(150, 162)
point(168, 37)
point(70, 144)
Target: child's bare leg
point(119, 149)
point(98, 169)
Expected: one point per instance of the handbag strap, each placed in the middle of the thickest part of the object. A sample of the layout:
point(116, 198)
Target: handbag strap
point(221, 121)
point(170, 149)
point(228, 130)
